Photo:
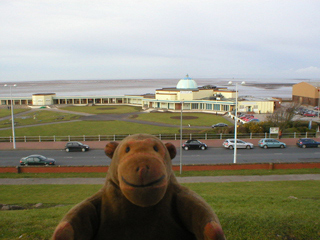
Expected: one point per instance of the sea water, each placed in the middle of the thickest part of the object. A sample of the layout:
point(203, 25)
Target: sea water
point(260, 88)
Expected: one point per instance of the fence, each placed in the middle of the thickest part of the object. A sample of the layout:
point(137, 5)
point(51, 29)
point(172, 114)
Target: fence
point(204, 136)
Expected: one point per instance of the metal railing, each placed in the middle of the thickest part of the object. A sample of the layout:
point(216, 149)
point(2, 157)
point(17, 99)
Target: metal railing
point(203, 136)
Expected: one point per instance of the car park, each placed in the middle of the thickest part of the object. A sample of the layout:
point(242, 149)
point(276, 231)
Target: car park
point(76, 146)
point(194, 145)
point(220, 125)
point(271, 143)
point(307, 142)
point(229, 144)
point(36, 159)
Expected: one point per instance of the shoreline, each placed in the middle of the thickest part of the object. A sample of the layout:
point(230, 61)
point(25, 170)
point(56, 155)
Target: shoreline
point(143, 86)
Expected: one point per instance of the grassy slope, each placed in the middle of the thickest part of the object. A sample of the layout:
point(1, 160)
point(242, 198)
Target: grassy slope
point(252, 210)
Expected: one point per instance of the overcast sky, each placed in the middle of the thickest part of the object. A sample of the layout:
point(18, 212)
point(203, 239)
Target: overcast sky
point(138, 39)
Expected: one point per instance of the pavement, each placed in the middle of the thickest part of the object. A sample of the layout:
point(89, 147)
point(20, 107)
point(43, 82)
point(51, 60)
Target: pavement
point(200, 179)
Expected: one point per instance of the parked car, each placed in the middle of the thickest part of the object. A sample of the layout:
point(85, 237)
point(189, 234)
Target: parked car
point(254, 120)
point(270, 142)
point(229, 143)
point(307, 142)
point(76, 146)
point(247, 117)
point(36, 160)
point(310, 114)
point(194, 144)
point(219, 125)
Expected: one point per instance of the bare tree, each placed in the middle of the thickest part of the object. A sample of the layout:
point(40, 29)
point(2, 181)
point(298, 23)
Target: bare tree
point(283, 116)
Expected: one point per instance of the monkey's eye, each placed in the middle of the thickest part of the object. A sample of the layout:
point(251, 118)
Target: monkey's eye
point(156, 148)
point(127, 149)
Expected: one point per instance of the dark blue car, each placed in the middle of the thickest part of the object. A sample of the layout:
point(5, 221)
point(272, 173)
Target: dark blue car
point(307, 142)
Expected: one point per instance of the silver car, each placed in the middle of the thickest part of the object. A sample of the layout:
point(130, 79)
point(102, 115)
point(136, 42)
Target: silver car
point(229, 143)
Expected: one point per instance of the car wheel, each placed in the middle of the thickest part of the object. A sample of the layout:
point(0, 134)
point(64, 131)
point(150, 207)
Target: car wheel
point(186, 148)
point(230, 147)
point(248, 147)
point(304, 146)
point(203, 148)
point(83, 149)
point(26, 164)
point(281, 146)
point(67, 150)
point(265, 146)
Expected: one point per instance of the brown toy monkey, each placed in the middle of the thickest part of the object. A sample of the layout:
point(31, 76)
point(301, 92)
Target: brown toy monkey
point(141, 199)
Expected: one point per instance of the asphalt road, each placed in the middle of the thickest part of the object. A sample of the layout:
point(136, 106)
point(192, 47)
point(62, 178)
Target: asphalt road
point(210, 156)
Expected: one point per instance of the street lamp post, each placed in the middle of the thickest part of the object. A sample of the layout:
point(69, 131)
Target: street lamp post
point(181, 138)
point(12, 116)
point(235, 122)
point(318, 104)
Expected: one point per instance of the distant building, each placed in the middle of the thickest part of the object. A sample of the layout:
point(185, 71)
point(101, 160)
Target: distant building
point(42, 99)
point(306, 93)
point(186, 94)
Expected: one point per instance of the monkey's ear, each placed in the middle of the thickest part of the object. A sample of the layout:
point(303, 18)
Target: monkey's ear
point(172, 150)
point(110, 148)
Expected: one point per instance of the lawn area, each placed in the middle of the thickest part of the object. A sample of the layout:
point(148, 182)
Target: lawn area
point(251, 210)
point(4, 112)
point(90, 128)
point(39, 116)
point(194, 119)
point(105, 109)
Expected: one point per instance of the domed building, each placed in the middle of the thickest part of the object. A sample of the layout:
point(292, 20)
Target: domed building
point(212, 99)
point(187, 83)
point(192, 96)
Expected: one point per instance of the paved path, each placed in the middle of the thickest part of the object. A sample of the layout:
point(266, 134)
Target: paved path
point(256, 178)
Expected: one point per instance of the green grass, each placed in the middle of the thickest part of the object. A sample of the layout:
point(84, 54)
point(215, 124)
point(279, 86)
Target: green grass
point(251, 210)
point(4, 112)
point(104, 127)
point(90, 128)
point(37, 117)
point(184, 173)
point(105, 109)
point(202, 119)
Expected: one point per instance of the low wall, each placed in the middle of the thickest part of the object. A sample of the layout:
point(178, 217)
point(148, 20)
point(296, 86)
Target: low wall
point(88, 169)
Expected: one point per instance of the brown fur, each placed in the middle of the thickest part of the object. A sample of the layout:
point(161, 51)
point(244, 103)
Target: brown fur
point(141, 199)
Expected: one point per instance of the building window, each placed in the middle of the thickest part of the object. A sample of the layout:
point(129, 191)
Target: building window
point(209, 106)
point(216, 107)
point(225, 107)
point(194, 106)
